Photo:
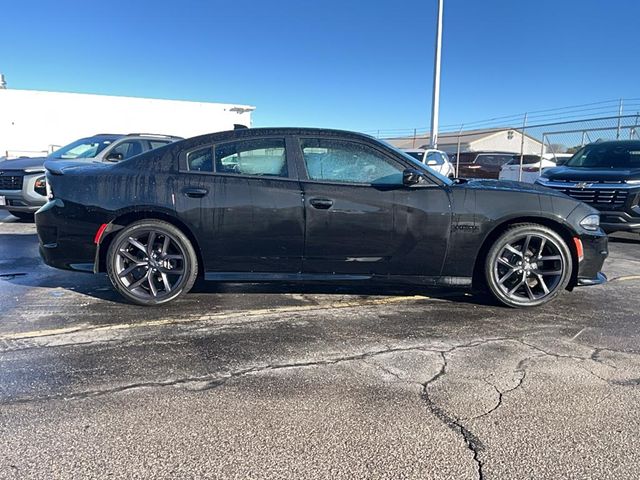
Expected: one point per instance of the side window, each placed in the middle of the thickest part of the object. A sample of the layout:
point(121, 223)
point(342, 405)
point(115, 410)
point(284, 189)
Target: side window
point(262, 156)
point(200, 160)
point(351, 162)
point(128, 149)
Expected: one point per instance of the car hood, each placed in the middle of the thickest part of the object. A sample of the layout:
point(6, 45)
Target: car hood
point(592, 174)
point(23, 163)
point(510, 186)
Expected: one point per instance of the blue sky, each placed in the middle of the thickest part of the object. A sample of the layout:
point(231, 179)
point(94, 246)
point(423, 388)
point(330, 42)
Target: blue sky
point(361, 65)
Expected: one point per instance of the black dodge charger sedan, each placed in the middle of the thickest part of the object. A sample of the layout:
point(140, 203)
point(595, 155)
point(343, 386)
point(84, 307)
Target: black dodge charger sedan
point(311, 205)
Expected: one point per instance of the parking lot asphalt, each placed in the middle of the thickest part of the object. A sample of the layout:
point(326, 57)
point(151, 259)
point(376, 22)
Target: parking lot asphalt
point(258, 382)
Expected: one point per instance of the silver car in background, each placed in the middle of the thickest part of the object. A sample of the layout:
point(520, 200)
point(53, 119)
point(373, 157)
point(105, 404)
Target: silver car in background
point(22, 181)
point(435, 159)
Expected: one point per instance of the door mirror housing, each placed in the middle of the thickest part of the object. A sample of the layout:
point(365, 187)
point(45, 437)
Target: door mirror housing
point(114, 157)
point(431, 163)
point(412, 176)
point(561, 161)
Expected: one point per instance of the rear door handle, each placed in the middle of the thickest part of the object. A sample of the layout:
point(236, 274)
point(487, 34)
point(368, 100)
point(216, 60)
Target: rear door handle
point(195, 192)
point(321, 203)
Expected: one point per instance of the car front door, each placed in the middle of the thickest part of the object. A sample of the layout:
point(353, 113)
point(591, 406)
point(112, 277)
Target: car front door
point(361, 219)
point(245, 201)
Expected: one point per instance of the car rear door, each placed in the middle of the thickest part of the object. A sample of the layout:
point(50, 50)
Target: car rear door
point(361, 219)
point(244, 199)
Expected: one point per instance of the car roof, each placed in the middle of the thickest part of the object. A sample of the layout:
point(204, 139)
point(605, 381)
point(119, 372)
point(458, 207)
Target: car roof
point(611, 143)
point(275, 131)
point(114, 136)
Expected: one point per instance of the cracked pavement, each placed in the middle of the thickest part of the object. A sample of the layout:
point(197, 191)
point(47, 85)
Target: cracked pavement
point(255, 382)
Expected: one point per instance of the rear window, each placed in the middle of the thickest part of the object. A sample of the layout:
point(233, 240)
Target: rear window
point(527, 160)
point(607, 156)
point(492, 160)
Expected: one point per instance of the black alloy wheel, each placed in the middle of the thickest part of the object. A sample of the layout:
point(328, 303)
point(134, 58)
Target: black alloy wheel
point(528, 265)
point(151, 262)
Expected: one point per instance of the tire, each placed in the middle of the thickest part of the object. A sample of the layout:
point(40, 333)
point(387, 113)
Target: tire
point(25, 216)
point(527, 266)
point(151, 262)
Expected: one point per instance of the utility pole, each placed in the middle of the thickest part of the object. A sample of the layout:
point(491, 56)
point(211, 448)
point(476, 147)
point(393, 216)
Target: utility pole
point(435, 101)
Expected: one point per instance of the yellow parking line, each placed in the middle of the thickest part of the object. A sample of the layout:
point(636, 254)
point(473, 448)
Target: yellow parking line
point(625, 278)
point(220, 316)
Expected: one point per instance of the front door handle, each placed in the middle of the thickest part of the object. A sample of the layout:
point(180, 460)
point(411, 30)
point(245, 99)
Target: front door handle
point(195, 192)
point(321, 203)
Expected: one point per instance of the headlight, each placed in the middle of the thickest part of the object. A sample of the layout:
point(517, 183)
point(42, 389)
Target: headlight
point(633, 182)
point(591, 222)
point(41, 186)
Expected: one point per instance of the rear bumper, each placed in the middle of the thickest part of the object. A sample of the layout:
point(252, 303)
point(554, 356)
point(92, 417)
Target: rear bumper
point(596, 250)
point(65, 243)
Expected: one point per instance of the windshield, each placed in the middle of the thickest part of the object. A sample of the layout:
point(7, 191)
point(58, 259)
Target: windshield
point(611, 155)
point(418, 165)
point(83, 148)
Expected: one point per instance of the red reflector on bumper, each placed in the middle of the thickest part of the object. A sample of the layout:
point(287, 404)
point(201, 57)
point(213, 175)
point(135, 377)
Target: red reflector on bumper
point(579, 248)
point(99, 233)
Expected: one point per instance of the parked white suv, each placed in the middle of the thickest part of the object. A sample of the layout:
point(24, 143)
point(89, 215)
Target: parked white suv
point(532, 166)
point(434, 159)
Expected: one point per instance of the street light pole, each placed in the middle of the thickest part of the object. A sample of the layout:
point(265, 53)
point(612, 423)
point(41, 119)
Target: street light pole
point(435, 101)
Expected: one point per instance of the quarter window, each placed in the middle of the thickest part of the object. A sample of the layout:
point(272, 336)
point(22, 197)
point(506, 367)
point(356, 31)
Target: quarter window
point(263, 156)
point(200, 160)
point(349, 162)
point(157, 144)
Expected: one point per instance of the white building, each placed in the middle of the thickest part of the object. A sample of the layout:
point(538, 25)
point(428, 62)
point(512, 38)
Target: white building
point(495, 139)
point(35, 123)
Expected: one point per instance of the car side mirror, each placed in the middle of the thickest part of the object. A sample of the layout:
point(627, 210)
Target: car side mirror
point(412, 176)
point(114, 157)
point(561, 161)
point(432, 163)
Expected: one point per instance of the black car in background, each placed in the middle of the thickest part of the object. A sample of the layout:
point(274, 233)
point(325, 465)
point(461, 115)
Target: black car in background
point(485, 164)
point(605, 175)
point(311, 205)
point(22, 183)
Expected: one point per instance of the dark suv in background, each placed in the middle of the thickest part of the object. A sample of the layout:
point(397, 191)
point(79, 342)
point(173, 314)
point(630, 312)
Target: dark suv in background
point(22, 180)
point(481, 164)
point(605, 175)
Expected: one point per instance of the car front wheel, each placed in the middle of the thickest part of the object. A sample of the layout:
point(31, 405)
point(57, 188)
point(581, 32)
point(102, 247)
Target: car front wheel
point(528, 265)
point(151, 262)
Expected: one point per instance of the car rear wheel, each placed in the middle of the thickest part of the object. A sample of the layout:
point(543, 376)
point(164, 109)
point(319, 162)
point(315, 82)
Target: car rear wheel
point(151, 262)
point(528, 265)
point(26, 216)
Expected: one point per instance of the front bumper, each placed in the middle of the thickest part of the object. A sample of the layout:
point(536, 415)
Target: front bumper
point(620, 221)
point(596, 250)
point(26, 199)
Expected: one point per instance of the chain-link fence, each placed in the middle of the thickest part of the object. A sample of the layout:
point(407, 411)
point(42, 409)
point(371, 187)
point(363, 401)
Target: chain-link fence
point(553, 131)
